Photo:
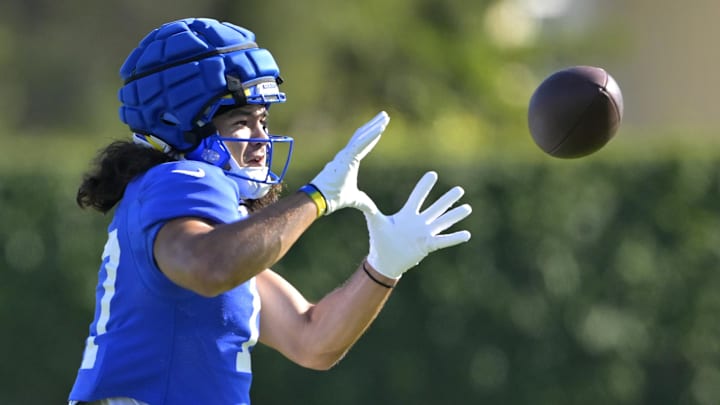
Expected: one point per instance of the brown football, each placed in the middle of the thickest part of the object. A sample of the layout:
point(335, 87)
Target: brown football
point(575, 111)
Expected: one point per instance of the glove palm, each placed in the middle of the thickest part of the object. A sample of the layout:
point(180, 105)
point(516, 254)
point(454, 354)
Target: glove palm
point(400, 241)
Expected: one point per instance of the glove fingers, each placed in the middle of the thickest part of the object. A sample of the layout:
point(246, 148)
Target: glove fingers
point(450, 218)
point(381, 119)
point(367, 136)
point(367, 148)
point(452, 239)
point(444, 203)
point(420, 192)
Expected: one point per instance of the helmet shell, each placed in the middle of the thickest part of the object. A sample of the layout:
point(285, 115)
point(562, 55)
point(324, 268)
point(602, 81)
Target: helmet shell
point(181, 72)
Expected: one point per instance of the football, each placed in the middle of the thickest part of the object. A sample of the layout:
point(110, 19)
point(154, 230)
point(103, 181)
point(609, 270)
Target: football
point(575, 111)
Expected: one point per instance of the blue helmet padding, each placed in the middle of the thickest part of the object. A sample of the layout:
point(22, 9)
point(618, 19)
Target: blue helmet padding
point(181, 69)
point(183, 39)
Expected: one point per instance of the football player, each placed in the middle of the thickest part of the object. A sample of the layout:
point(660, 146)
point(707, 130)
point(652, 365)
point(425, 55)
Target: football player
point(185, 288)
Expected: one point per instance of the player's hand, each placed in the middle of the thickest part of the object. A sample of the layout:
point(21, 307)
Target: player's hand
point(399, 242)
point(337, 181)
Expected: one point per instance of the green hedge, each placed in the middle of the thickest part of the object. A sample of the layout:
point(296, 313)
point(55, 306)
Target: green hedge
point(591, 283)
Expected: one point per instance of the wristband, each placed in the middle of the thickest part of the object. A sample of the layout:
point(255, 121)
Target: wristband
point(373, 278)
point(317, 198)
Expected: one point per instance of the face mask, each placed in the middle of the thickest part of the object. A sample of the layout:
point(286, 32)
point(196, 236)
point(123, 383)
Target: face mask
point(252, 181)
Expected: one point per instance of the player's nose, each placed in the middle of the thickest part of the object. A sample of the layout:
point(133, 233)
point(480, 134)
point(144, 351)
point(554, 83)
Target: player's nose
point(259, 131)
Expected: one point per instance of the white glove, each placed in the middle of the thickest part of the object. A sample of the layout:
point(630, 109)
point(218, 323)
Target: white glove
point(401, 241)
point(337, 181)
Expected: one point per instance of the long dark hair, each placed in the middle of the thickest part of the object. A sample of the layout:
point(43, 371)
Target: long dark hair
point(117, 164)
point(113, 168)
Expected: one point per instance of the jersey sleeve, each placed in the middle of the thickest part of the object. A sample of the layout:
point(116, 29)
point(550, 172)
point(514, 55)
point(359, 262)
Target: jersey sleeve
point(187, 189)
point(165, 192)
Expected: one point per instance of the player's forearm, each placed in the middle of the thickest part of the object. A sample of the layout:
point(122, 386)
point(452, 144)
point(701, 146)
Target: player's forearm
point(258, 242)
point(213, 259)
point(263, 238)
point(341, 317)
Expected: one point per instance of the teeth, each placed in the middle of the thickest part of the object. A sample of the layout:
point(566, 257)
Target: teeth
point(255, 159)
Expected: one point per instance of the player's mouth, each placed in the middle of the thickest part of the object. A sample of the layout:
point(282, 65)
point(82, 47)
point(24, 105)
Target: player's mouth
point(254, 159)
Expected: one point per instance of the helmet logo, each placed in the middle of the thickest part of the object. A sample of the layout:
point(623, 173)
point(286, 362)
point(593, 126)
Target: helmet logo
point(262, 91)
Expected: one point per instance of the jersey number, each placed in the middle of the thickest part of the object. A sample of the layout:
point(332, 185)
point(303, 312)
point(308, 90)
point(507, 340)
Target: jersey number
point(111, 259)
point(242, 360)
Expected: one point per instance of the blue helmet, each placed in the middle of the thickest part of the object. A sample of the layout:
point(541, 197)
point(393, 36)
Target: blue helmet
point(181, 74)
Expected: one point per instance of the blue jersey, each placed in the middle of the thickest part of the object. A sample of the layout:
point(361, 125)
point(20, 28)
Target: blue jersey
point(151, 339)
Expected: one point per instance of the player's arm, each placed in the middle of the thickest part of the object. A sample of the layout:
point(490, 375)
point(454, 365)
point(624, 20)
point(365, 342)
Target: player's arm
point(319, 335)
point(210, 259)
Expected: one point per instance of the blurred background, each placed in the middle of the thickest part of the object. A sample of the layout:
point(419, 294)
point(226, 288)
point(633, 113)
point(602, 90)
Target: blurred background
point(587, 281)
